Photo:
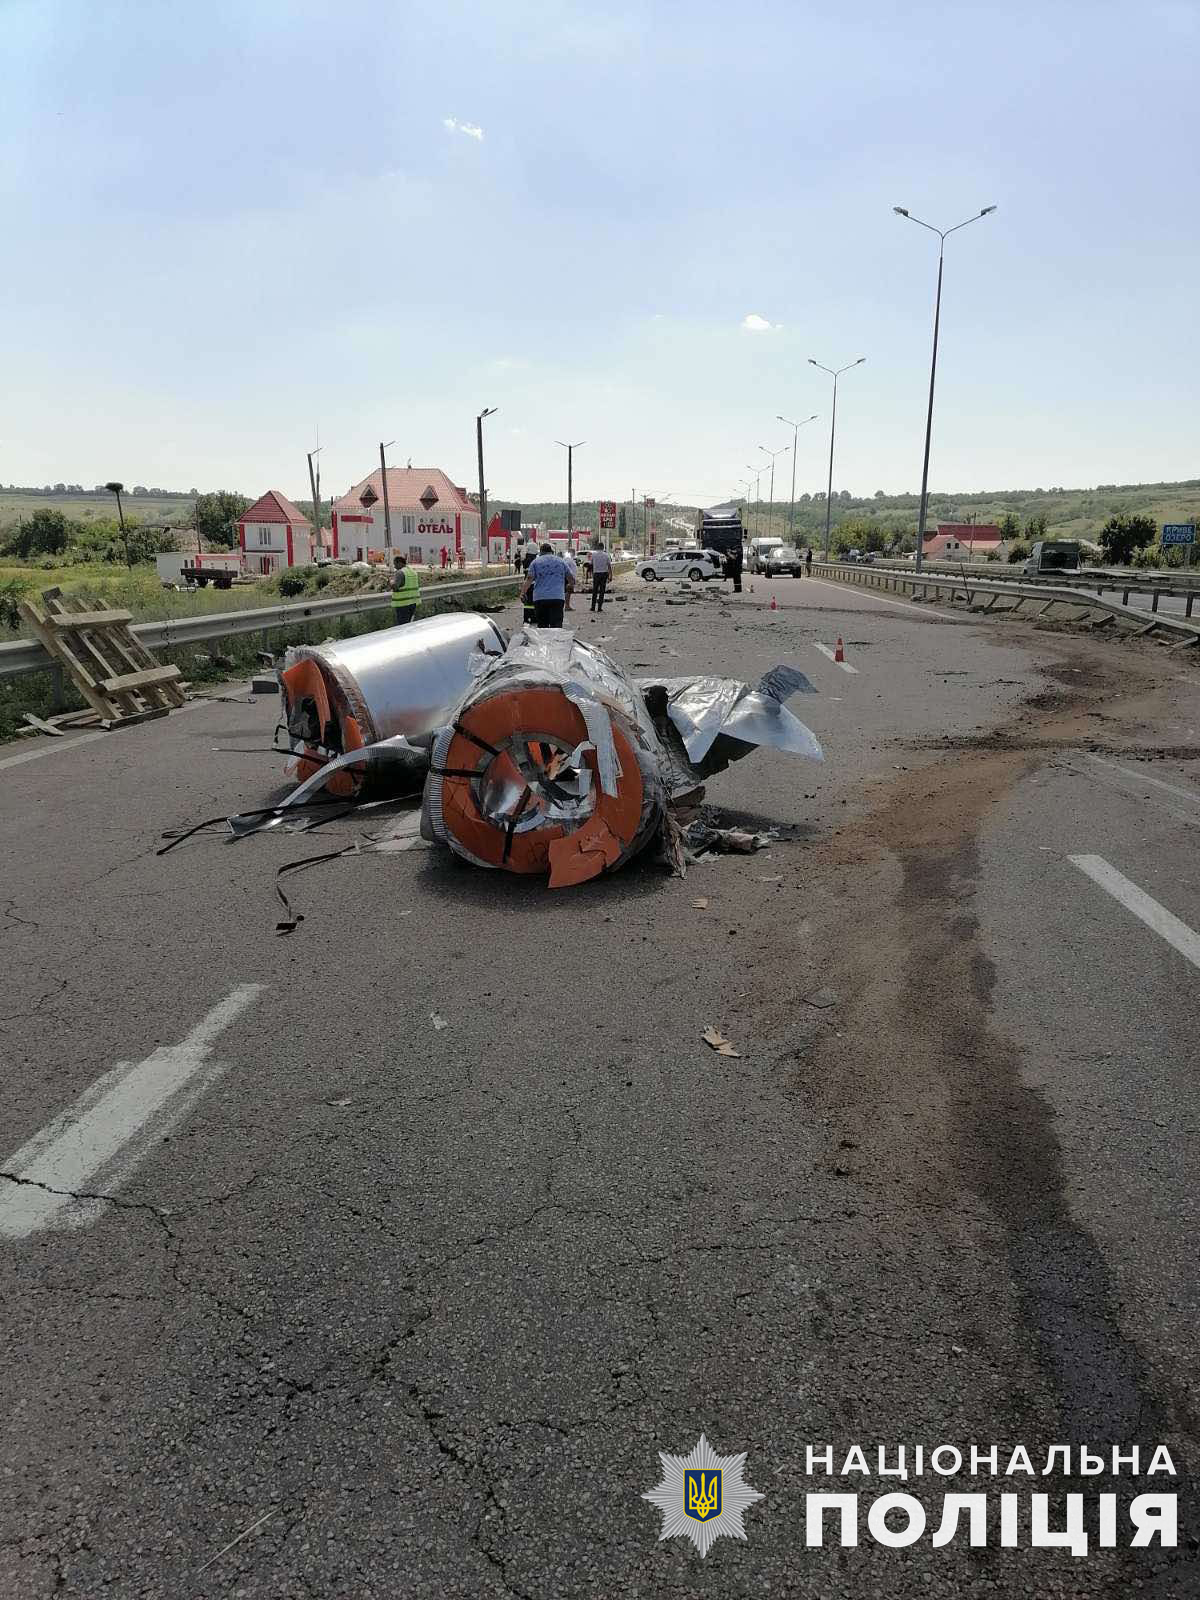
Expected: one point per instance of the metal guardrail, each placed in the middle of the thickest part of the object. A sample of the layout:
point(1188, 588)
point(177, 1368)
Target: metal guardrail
point(27, 655)
point(903, 581)
point(1177, 585)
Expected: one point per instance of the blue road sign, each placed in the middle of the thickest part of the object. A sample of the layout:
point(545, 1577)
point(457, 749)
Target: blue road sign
point(1179, 533)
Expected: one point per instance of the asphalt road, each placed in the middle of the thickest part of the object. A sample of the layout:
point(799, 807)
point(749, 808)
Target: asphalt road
point(379, 1307)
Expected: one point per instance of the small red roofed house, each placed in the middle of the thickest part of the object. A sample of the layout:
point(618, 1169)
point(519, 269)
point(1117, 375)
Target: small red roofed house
point(962, 541)
point(274, 534)
point(427, 510)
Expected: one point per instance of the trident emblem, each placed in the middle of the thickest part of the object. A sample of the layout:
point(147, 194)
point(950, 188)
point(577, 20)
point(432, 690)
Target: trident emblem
point(702, 1494)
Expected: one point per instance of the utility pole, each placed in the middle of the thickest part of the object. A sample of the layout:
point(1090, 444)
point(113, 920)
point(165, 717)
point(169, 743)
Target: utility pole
point(314, 483)
point(387, 510)
point(571, 449)
point(115, 488)
point(484, 550)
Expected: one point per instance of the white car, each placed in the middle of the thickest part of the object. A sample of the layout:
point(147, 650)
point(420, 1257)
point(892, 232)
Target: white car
point(694, 564)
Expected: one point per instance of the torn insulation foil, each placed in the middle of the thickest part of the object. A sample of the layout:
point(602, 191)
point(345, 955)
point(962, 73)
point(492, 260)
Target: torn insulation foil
point(552, 764)
point(558, 763)
point(383, 694)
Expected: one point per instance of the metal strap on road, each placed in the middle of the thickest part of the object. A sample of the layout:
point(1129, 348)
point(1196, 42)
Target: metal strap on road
point(902, 581)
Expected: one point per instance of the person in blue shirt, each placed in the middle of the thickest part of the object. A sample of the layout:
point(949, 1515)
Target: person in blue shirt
point(549, 582)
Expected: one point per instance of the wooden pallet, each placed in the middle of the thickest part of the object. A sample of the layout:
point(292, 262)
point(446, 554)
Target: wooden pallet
point(112, 669)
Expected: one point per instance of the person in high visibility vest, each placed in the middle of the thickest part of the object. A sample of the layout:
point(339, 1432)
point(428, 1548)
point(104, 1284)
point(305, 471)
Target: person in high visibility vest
point(406, 593)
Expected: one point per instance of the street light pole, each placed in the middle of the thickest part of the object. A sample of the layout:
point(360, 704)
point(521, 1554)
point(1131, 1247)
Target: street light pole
point(773, 454)
point(484, 543)
point(756, 469)
point(832, 432)
point(795, 427)
point(943, 235)
point(387, 510)
point(571, 449)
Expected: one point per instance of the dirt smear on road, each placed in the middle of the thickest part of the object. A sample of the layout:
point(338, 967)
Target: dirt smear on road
point(948, 1125)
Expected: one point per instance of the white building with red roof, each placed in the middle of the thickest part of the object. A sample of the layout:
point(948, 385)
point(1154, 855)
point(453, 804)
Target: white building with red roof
point(428, 513)
point(274, 534)
point(962, 540)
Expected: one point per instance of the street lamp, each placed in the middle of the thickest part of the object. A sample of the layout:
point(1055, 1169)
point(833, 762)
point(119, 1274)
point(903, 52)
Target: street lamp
point(773, 453)
point(832, 431)
point(756, 469)
point(484, 543)
point(943, 235)
point(117, 488)
point(795, 427)
point(570, 449)
point(387, 510)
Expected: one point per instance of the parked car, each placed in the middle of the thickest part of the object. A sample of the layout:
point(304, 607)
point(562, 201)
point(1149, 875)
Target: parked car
point(697, 565)
point(780, 559)
point(758, 550)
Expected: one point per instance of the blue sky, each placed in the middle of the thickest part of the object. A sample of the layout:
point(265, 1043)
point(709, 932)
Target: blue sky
point(228, 224)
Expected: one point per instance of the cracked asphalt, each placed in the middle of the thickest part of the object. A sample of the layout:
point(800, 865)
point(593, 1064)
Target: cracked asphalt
point(395, 1310)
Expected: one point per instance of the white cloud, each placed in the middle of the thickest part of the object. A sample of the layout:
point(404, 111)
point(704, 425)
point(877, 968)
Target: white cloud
point(471, 129)
point(753, 323)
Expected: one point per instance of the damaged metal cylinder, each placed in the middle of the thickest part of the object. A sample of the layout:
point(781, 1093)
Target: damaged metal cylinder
point(390, 688)
point(551, 764)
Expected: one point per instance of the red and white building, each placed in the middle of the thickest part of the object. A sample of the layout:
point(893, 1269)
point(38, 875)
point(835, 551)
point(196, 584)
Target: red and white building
point(962, 541)
point(274, 534)
point(428, 513)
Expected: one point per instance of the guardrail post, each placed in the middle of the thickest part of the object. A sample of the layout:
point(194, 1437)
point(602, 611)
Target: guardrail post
point(1187, 608)
point(1154, 600)
point(58, 699)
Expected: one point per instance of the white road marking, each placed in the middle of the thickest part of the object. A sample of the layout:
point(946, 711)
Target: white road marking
point(826, 651)
point(111, 1127)
point(886, 600)
point(1144, 777)
point(1177, 934)
point(52, 747)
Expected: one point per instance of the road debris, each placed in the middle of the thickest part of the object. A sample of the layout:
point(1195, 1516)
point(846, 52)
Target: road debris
point(438, 1022)
point(109, 665)
point(821, 998)
point(718, 1042)
point(701, 903)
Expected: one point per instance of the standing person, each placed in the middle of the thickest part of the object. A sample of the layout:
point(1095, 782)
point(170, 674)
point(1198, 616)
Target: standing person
point(445, 557)
point(516, 558)
point(549, 582)
point(462, 560)
point(569, 562)
point(808, 562)
point(406, 593)
point(733, 567)
point(601, 572)
point(529, 557)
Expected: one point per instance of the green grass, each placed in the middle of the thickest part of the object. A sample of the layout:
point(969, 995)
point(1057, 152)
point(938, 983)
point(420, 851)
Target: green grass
point(89, 507)
point(34, 691)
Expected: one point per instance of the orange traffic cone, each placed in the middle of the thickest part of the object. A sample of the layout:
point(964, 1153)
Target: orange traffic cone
point(774, 603)
point(838, 653)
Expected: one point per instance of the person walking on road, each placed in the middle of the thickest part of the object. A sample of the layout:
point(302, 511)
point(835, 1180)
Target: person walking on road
point(733, 567)
point(549, 582)
point(406, 593)
point(569, 562)
point(808, 562)
point(601, 572)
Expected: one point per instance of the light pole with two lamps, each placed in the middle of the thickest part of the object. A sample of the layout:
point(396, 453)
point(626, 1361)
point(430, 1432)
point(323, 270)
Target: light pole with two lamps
point(943, 235)
point(835, 375)
point(773, 453)
point(795, 427)
point(571, 449)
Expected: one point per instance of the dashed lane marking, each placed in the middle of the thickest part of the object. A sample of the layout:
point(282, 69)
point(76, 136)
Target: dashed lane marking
point(1177, 934)
point(826, 651)
point(111, 1127)
point(1191, 795)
